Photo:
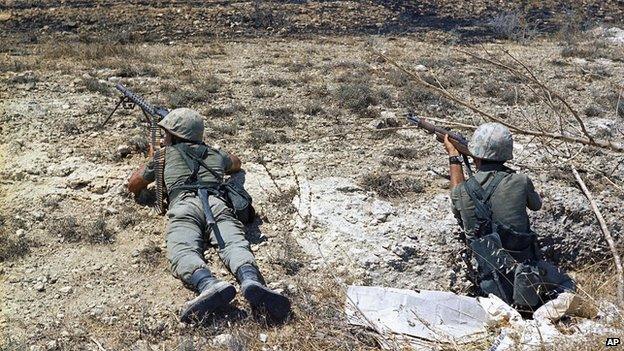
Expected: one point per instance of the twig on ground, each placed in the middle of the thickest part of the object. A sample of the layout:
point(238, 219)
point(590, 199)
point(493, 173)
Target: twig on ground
point(607, 234)
point(100, 347)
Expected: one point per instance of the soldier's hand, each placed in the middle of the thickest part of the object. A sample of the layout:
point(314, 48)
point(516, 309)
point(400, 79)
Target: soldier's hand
point(450, 148)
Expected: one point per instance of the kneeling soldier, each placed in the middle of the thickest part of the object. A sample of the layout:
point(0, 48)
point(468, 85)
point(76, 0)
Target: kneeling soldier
point(198, 214)
point(491, 207)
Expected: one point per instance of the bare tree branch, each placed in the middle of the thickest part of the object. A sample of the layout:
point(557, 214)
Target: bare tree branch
point(605, 144)
point(607, 234)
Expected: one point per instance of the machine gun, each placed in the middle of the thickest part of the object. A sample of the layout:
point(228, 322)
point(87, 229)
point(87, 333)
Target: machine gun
point(458, 140)
point(153, 115)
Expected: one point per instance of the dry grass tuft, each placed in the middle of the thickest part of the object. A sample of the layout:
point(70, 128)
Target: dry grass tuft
point(88, 52)
point(97, 232)
point(279, 117)
point(388, 187)
point(13, 247)
point(65, 228)
point(94, 232)
point(261, 137)
point(357, 97)
point(405, 153)
point(225, 111)
point(96, 86)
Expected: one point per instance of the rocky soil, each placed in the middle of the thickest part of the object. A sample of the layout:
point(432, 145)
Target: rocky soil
point(305, 103)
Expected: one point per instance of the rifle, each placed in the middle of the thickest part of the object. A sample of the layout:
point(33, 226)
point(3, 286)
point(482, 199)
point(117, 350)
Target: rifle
point(458, 140)
point(153, 115)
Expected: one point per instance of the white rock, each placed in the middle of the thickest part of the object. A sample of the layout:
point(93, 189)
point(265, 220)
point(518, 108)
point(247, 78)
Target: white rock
point(222, 340)
point(615, 35)
point(40, 287)
point(263, 337)
point(66, 290)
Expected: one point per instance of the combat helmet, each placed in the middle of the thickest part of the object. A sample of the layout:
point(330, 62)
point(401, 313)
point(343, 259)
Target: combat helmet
point(493, 142)
point(184, 123)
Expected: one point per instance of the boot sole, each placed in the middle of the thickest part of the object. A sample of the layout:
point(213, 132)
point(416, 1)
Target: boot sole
point(208, 304)
point(276, 305)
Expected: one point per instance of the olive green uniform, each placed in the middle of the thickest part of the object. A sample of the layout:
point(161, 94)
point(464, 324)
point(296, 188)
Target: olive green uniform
point(187, 232)
point(513, 195)
point(509, 201)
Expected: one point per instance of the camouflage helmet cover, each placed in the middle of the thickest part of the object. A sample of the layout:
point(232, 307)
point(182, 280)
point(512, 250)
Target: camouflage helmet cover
point(184, 123)
point(492, 141)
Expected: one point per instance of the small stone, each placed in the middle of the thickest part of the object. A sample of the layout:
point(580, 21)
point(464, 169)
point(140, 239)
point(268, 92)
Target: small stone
point(40, 287)
point(123, 150)
point(263, 337)
point(66, 290)
point(38, 215)
point(222, 340)
point(51, 345)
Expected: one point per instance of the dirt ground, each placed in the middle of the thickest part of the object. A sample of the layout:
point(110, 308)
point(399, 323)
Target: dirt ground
point(345, 194)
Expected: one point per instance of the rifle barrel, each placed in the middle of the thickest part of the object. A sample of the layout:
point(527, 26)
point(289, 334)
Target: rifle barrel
point(157, 112)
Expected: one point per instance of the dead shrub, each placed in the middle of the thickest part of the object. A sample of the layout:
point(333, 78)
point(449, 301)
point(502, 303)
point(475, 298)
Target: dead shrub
point(68, 230)
point(356, 97)
point(230, 128)
point(128, 70)
point(225, 111)
point(209, 84)
point(414, 96)
point(613, 102)
point(261, 137)
point(278, 82)
point(506, 93)
point(25, 78)
point(127, 217)
point(65, 228)
point(184, 97)
point(12, 248)
point(150, 256)
point(279, 117)
point(405, 153)
point(313, 109)
point(94, 85)
point(70, 127)
point(296, 67)
point(512, 26)
point(89, 52)
point(434, 62)
point(262, 93)
point(97, 232)
point(388, 187)
point(593, 111)
point(591, 50)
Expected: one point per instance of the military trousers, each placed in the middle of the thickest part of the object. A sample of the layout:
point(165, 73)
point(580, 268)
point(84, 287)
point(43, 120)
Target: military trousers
point(188, 236)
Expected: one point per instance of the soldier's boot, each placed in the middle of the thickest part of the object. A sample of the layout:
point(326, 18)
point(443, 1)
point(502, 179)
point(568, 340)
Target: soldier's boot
point(259, 296)
point(213, 294)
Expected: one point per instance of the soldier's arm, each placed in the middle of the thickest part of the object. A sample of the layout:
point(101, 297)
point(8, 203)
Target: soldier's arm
point(456, 171)
point(141, 178)
point(235, 164)
point(534, 201)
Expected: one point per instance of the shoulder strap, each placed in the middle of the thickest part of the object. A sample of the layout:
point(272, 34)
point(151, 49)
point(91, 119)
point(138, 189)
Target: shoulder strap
point(193, 161)
point(489, 190)
point(477, 195)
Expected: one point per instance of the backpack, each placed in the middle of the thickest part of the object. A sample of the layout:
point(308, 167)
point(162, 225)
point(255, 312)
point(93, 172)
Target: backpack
point(234, 195)
point(506, 259)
